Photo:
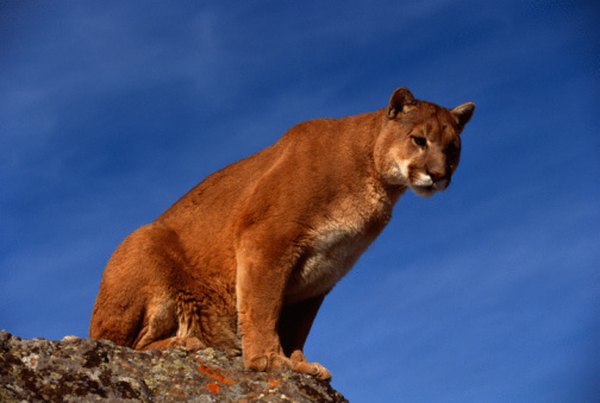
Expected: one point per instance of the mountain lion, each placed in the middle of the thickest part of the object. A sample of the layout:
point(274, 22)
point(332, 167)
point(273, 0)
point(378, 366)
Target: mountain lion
point(243, 261)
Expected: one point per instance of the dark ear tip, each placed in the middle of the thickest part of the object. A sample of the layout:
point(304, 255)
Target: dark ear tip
point(463, 113)
point(402, 96)
point(399, 99)
point(404, 91)
point(467, 107)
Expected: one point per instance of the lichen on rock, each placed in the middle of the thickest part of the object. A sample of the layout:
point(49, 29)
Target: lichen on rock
point(75, 370)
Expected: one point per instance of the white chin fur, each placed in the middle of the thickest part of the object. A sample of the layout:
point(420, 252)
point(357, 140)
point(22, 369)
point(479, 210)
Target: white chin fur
point(423, 191)
point(423, 180)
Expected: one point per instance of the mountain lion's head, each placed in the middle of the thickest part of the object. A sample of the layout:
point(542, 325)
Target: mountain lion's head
point(419, 144)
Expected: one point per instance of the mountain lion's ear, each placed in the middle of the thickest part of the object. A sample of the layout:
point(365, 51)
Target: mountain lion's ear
point(463, 113)
point(399, 99)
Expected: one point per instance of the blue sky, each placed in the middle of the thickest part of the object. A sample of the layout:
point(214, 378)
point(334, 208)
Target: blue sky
point(110, 111)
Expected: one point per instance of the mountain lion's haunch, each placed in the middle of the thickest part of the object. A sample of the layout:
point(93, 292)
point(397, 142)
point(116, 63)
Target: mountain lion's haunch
point(243, 261)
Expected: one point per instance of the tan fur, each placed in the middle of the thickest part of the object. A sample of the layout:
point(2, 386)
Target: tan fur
point(243, 261)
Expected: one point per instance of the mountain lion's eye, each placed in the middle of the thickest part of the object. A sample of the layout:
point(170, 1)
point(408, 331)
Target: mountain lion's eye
point(419, 141)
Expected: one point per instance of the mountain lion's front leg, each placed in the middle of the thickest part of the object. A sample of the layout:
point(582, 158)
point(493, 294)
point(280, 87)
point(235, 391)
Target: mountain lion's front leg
point(260, 283)
point(294, 325)
point(262, 276)
point(295, 322)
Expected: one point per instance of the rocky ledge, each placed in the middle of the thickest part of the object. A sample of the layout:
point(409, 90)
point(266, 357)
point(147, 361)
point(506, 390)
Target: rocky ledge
point(75, 369)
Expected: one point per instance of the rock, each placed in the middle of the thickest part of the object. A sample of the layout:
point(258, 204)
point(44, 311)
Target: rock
point(75, 369)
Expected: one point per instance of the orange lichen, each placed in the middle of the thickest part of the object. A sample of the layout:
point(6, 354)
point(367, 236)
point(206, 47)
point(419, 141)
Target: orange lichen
point(214, 374)
point(213, 388)
point(273, 383)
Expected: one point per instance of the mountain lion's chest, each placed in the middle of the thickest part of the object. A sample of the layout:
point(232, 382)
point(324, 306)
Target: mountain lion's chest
point(335, 246)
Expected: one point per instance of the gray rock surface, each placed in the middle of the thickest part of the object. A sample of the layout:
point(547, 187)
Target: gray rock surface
point(76, 370)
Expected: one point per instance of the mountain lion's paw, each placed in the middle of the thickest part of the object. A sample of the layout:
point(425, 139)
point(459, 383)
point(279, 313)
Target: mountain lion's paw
point(270, 362)
point(311, 368)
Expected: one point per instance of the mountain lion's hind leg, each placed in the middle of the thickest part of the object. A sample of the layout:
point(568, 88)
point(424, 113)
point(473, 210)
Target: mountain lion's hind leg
point(172, 323)
point(183, 343)
point(138, 304)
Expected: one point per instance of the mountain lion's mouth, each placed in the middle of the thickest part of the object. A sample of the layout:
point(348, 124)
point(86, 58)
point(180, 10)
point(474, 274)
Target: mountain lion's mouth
point(424, 191)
